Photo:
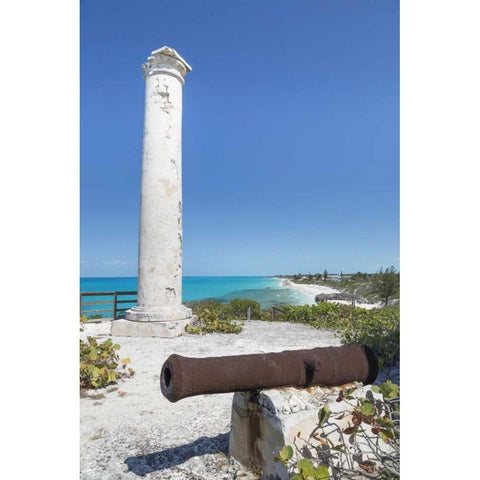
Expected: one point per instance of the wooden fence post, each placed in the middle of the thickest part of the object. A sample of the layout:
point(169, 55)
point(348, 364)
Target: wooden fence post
point(248, 313)
point(115, 306)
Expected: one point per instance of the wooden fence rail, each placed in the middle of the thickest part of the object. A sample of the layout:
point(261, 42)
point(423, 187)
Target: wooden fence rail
point(114, 301)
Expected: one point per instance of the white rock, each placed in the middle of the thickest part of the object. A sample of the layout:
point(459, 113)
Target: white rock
point(264, 423)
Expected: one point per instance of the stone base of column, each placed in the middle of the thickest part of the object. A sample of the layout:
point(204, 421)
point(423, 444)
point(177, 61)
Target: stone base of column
point(165, 322)
point(158, 314)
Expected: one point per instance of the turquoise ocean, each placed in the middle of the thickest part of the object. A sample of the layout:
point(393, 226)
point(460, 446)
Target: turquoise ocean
point(268, 291)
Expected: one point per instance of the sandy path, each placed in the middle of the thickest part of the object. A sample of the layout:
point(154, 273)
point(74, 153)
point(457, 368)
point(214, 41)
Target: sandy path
point(141, 433)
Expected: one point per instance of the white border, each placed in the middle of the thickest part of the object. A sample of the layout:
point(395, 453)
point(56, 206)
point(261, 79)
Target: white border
point(439, 131)
point(40, 238)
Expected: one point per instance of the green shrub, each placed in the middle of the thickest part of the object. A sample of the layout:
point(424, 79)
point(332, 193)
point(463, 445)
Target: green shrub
point(236, 308)
point(386, 284)
point(99, 364)
point(209, 321)
point(323, 315)
point(220, 309)
point(239, 307)
point(377, 328)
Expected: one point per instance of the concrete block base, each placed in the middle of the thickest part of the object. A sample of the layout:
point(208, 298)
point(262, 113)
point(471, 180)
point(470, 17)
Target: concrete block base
point(95, 329)
point(264, 422)
point(130, 328)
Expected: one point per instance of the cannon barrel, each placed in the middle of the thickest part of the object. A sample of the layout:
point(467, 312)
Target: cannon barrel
point(183, 377)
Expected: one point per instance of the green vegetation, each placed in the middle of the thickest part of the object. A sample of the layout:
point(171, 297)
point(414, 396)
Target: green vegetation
point(213, 320)
point(373, 428)
point(377, 328)
point(216, 317)
point(386, 284)
point(236, 308)
point(239, 307)
point(99, 364)
point(323, 315)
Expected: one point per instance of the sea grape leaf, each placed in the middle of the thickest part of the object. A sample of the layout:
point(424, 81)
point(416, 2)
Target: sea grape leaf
point(389, 390)
point(322, 473)
point(306, 468)
point(367, 409)
point(324, 414)
point(286, 453)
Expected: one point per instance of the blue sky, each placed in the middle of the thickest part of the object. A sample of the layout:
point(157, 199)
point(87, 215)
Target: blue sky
point(290, 133)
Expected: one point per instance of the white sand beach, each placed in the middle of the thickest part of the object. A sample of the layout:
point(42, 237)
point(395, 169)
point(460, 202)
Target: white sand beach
point(310, 291)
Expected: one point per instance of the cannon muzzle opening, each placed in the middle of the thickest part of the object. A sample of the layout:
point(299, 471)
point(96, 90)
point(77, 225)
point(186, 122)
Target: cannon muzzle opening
point(183, 377)
point(166, 381)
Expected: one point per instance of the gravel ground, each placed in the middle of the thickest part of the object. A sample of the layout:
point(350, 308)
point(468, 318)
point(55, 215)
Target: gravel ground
point(130, 430)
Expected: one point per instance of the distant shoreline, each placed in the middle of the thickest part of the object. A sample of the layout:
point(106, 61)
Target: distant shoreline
point(311, 291)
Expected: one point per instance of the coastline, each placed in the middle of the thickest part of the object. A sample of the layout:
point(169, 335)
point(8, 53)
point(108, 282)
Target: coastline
point(268, 291)
point(310, 291)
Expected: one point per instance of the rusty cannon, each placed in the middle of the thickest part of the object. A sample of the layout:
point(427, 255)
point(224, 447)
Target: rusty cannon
point(183, 377)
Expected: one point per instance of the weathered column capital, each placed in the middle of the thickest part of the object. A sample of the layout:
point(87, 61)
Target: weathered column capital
point(166, 61)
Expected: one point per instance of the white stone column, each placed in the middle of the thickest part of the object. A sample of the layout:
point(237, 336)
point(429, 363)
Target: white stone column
point(159, 310)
